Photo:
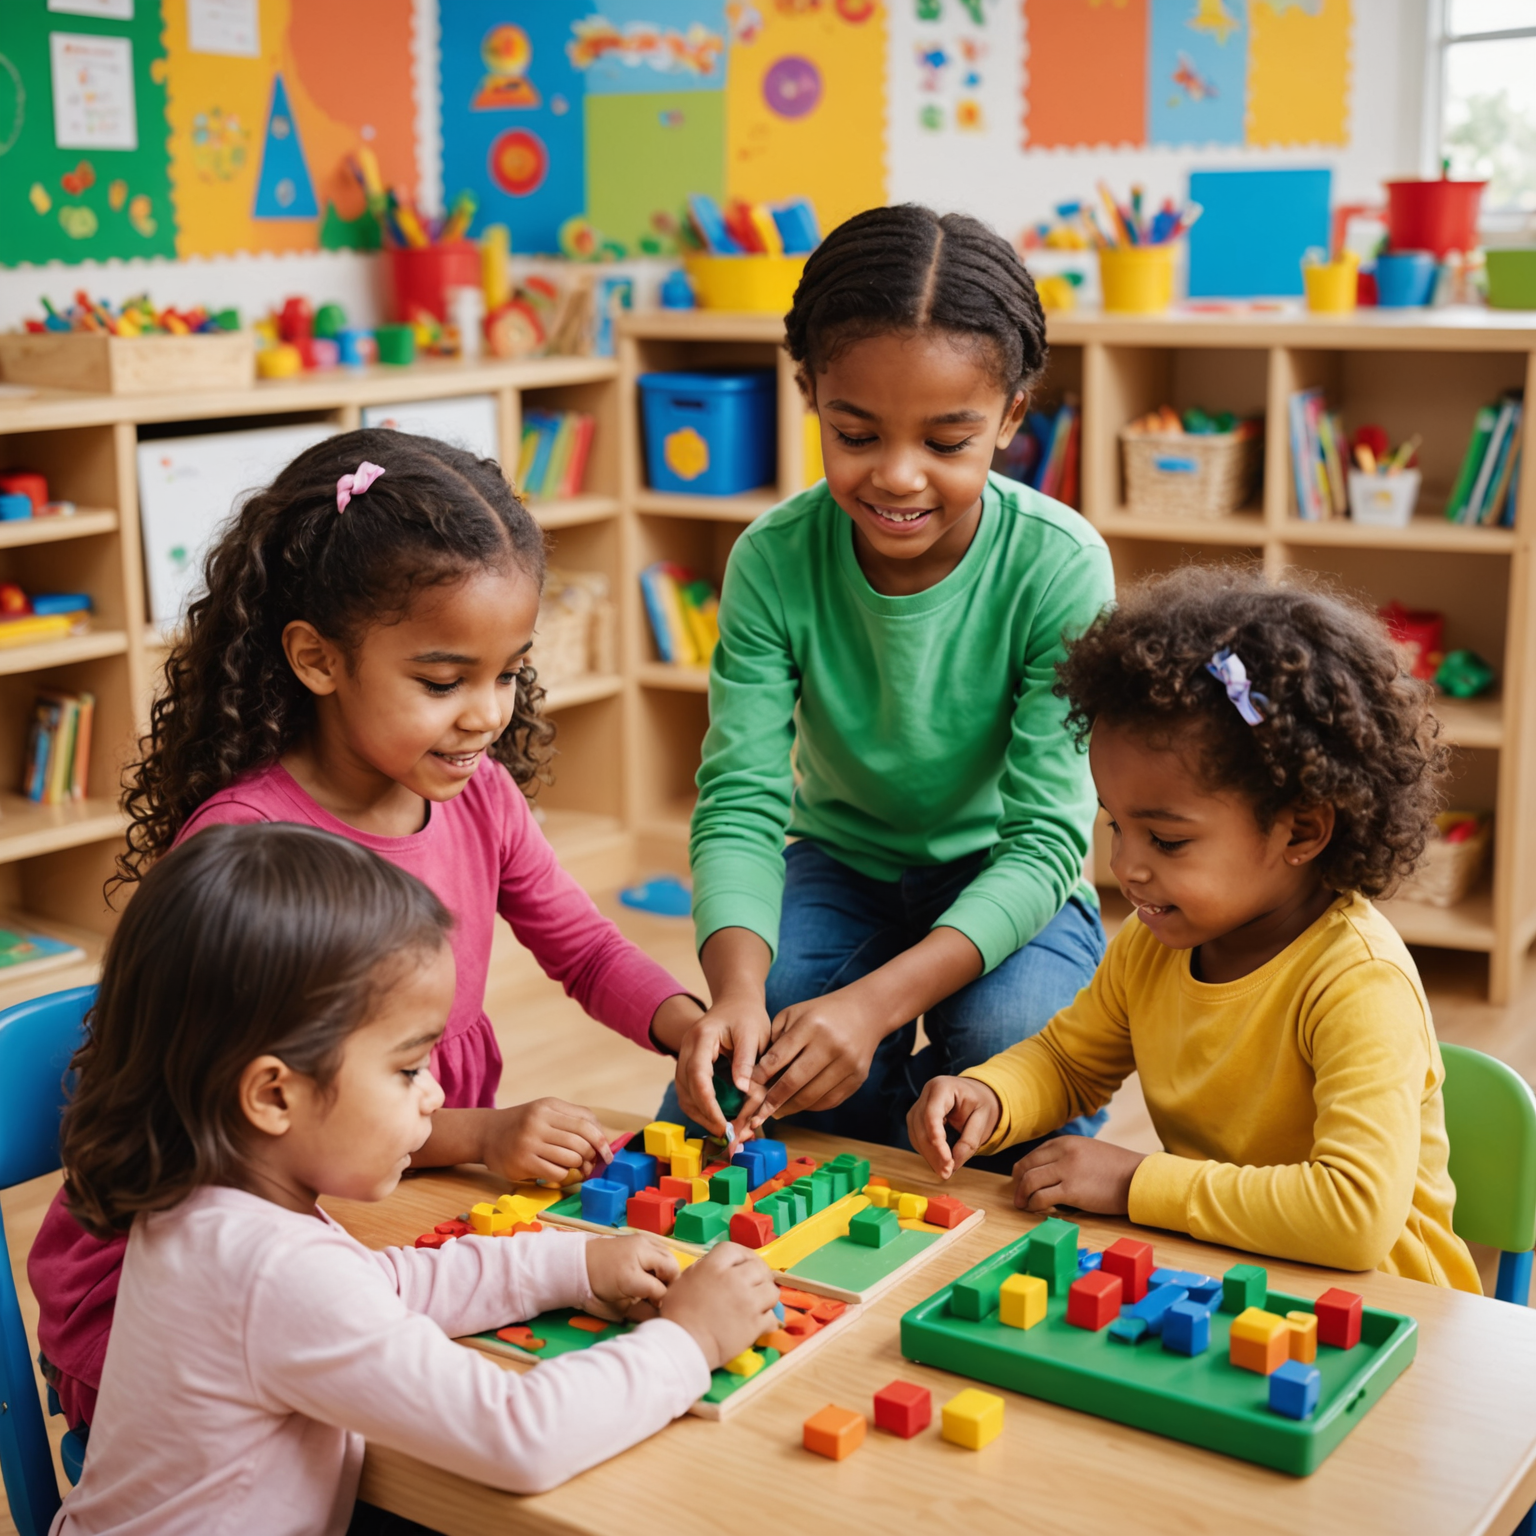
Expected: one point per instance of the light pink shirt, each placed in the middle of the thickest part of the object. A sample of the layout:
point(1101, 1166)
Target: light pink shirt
point(256, 1349)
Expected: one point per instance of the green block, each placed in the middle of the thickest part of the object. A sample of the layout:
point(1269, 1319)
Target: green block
point(800, 1199)
point(773, 1208)
point(1051, 1253)
point(728, 1096)
point(874, 1228)
point(842, 1182)
point(1243, 1286)
point(975, 1297)
point(821, 1191)
point(729, 1186)
point(860, 1172)
point(701, 1222)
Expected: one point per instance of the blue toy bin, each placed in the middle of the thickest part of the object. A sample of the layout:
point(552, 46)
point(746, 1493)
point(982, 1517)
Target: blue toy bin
point(709, 434)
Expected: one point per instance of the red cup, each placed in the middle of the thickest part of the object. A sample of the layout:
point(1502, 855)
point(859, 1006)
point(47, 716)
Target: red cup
point(1434, 216)
point(420, 277)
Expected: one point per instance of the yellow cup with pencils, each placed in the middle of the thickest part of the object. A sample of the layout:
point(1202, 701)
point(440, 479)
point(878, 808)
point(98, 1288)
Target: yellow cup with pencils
point(1331, 285)
point(1137, 279)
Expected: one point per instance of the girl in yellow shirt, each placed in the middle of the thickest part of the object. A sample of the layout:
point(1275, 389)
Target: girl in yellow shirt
point(1268, 768)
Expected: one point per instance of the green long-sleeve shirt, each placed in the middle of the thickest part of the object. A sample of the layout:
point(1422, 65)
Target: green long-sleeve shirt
point(923, 727)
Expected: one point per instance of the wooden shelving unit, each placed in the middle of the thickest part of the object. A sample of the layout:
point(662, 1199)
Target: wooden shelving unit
point(1410, 372)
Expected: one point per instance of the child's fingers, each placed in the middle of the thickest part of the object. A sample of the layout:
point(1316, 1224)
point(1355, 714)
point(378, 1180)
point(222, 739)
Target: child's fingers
point(829, 1088)
point(1035, 1177)
point(660, 1263)
point(542, 1167)
point(788, 1043)
point(973, 1135)
point(925, 1127)
point(571, 1121)
point(695, 1085)
point(743, 1059)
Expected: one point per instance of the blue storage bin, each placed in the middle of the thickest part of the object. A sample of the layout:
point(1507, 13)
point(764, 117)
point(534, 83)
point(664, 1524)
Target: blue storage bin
point(709, 434)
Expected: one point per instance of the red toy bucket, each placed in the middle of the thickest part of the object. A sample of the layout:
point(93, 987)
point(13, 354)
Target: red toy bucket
point(420, 277)
point(1434, 216)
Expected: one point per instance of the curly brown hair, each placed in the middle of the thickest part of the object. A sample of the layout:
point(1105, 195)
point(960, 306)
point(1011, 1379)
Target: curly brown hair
point(230, 702)
point(1344, 725)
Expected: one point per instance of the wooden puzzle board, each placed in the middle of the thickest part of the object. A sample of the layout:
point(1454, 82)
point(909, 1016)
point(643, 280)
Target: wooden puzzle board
point(1204, 1400)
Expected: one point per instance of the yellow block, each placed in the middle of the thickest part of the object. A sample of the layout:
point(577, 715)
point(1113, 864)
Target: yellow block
point(880, 1194)
point(813, 1233)
point(522, 1207)
point(700, 1187)
point(1021, 1301)
point(1257, 1325)
point(747, 1363)
point(1303, 1339)
point(973, 1419)
point(663, 1139)
point(487, 1220)
point(686, 1165)
point(912, 1207)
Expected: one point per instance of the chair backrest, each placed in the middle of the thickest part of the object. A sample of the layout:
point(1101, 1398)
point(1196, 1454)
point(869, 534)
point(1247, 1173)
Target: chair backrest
point(37, 1039)
point(1490, 1117)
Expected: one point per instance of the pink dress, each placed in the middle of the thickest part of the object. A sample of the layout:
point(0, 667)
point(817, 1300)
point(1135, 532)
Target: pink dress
point(482, 853)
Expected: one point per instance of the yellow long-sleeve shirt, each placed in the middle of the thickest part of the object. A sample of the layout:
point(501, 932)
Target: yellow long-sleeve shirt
point(1299, 1107)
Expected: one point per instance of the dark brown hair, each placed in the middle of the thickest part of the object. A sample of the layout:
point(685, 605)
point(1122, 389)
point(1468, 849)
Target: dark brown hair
point(230, 701)
point(242, 942)
point(907, 268)
point(1344, 724)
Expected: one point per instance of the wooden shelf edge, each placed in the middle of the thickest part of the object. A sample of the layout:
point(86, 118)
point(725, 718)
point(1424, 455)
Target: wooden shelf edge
point(1423, 533)
point(568, 511)
point(27, 830)
point(1471, 723)
point(51, 530)
point(677, 678)
point(1239, 528)
point(58, 978)
point(583, 690)
point(745, 508)
point(1468, 925)
point(62, 653)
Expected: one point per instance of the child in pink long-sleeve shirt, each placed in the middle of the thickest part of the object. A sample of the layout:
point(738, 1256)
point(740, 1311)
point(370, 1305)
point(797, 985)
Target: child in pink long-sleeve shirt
point(358, 664)
point(269, 1007)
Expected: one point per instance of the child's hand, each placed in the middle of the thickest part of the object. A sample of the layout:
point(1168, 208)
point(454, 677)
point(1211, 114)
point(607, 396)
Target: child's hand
point(544, 1139)
point(629, 1276)
point(1078, 1171)
point(736, 1026)
point(820, 1055)
point(963, 1102)
point(725, 1301)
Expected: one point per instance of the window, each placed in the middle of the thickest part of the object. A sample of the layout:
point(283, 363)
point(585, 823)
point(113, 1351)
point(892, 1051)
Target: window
point(1486, 58)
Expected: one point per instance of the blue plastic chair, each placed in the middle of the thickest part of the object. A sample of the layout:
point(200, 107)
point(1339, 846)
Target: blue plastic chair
point(37, 1039)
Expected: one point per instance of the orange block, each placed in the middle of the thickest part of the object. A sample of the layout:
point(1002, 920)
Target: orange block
point(1261, 1342)
point(1303, 1340)
point(589, 1324)
point(835, 1432)
point(779, 1340)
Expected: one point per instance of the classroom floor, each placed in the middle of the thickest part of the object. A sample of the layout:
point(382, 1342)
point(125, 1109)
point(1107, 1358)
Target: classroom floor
point(551, 1047)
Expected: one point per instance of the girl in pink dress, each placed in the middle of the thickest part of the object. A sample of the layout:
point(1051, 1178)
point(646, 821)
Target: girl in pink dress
point(358, 663)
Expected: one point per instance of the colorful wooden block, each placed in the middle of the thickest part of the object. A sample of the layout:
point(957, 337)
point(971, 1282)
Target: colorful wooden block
point(1187, 1328)
point(701, 1223)
point(972, 1419)
point(1132, 1261)
point(904, 1408)
point(1093, 1300)
point(881, 1195)
point(834, 1432)
point(1260, 1341)
point(634, 1170)
point(975, 1297)
point(821, 1191)
point(781, 1340)
point(1338, 1318)
point(752, 1229)
point(1154, 1307)
point(842, 1181)
point(945, 1211)
point(431, 1240)
point(1127, 1330)
point(487, 1221)
point(603, 1201)
point(912, 1207)
point(1294, 1389)
point(1021, 1301)
point(1303, 1340)
point(747, 1363)
point(678, 1189)
point(1244, 1286)
point(651, 1211)
point(874, 1228)
point(1052, 1254)
point(685, 1164)
point(800, 1325)
point(1088, 1260)
point(664, 1139)
point(729, 1186)
point(520, 1208)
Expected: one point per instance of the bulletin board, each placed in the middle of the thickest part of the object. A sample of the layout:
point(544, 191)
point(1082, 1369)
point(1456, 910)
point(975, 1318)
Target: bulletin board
point(1264, 74)
point(266, 100)
point(83, 171)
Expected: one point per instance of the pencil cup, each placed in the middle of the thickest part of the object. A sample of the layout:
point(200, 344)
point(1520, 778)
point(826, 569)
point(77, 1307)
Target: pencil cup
point(1384, 501)
point(1137, 279)
point(1331, 285)
point(1404, 279)
point(762, 284)
point(421, 278)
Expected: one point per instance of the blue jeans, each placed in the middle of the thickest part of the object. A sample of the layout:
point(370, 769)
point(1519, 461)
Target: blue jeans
point(839, 925)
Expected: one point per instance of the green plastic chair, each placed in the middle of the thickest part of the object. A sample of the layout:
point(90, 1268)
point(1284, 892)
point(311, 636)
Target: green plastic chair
point(1490, 1118)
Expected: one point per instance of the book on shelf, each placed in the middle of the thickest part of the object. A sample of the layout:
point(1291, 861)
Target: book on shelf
point(58, 748)
point(23, 950)
point(1488, 483)
point(1319, 458)
point(684, 610)
point(1046, 451)
point(552, 461)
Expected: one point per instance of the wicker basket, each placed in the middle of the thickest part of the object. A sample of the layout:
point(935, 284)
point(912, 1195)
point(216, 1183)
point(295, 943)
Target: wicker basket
point(575, 633)
point(1448, 870)
point(1180, 474)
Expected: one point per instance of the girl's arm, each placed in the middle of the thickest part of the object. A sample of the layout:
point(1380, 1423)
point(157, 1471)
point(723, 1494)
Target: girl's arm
point(1347, 1203)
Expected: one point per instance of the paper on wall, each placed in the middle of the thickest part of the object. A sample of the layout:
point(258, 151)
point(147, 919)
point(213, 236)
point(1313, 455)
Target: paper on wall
point(93, 92)
point(230, 27)
point(108, 10)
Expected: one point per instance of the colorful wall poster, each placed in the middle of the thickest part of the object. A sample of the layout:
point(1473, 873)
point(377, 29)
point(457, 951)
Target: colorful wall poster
point(259, 140)
point(952, 55)
point(82, 139)
point(1177, 73)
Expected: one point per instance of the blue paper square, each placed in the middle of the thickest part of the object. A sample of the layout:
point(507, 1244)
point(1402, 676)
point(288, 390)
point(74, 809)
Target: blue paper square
point(1254, 231)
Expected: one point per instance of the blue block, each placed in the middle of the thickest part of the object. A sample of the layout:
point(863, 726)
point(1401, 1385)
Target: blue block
point(1153, 1307)
point(1088, 1260)
point(1189, 1279)
point(603, 1201)
point(1127, 1330)
point(1294, 1390)
point(634, 1170)
point(14, 507)
point(778, 1310)
point(1187, 1328)
point(776, 1153)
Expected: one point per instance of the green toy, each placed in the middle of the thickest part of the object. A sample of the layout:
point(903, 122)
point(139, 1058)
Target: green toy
point(1464, 675)
point(728, 1096)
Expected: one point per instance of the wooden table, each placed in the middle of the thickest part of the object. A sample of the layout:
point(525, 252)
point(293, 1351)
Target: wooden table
point(1450, 1449)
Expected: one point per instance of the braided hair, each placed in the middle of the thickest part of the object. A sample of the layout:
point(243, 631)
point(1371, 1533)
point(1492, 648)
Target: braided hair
point(230, 702)
point(907, 268)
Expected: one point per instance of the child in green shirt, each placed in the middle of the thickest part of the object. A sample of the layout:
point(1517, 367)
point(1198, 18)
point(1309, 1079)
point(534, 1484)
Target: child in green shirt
point(882, 693)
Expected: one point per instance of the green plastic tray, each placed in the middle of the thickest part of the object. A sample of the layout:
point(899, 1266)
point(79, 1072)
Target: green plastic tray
point(1204, 1400)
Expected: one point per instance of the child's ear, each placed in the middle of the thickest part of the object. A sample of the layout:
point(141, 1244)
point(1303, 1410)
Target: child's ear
point(1013, 419)
point(1311, 831)
point(265, 1094)
point(315, 661)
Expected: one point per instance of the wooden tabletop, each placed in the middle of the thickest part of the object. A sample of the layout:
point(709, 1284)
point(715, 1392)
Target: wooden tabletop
point(1450, 1449)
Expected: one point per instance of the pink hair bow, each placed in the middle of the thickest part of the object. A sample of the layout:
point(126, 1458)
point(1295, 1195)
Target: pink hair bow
point(356, 483)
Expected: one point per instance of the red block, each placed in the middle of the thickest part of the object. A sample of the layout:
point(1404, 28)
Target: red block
point(752, 1229)
point(1338, 1318)
point(677, 1189)
point(431, 1240)
point(827, 1310)
point(1093, 1301)
point(454, 1228)
point(945, 1211)
point(1132, 1262)
point(800, 1325)
point(904, 1408)
point(651, 1211)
